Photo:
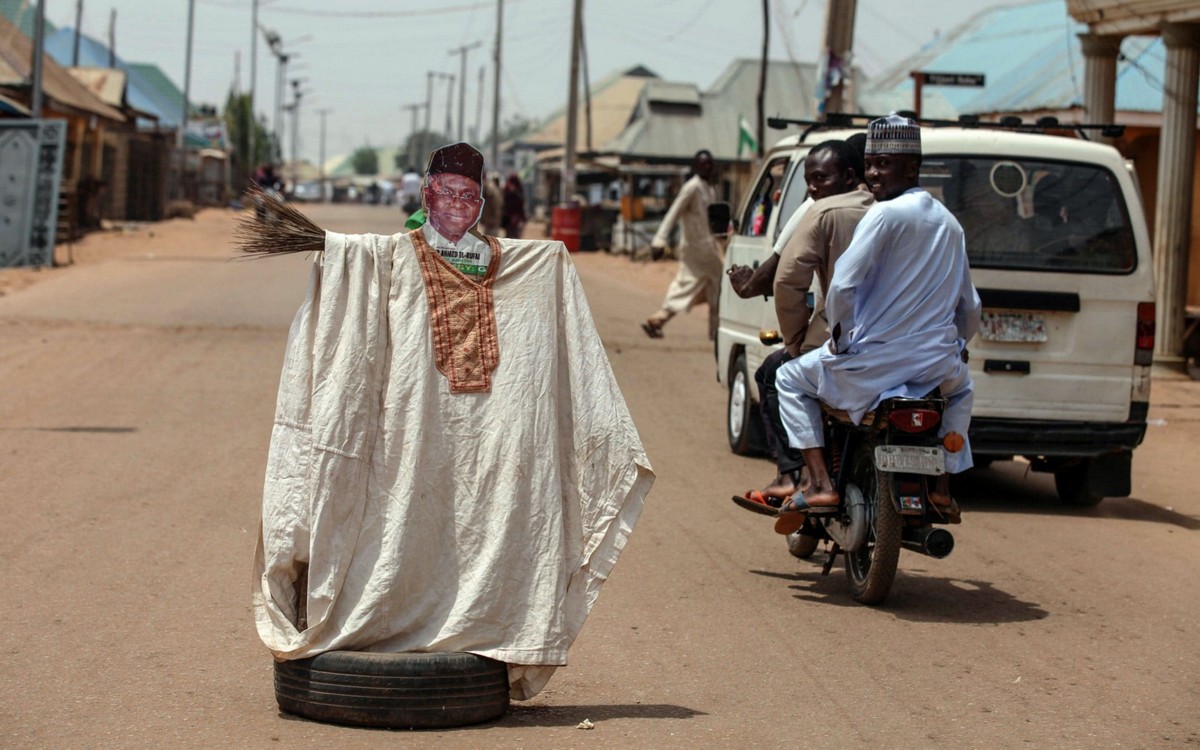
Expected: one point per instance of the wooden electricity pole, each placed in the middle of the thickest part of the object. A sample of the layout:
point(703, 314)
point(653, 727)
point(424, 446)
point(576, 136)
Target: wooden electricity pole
point(760, 133)
point(836, 48)
point(462, 85)
point(496, 86)
point(567, 187)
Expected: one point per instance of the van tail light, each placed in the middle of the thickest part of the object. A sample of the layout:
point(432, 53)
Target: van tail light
point(914, 420)
point(1144, 355)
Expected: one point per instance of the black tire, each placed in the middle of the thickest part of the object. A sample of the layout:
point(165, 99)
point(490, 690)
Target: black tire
point(742, 422)
point(396, 691)
point(1071, 482)
point(872, 568)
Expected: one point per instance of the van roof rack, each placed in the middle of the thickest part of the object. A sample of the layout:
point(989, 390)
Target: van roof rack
point(1009, 122)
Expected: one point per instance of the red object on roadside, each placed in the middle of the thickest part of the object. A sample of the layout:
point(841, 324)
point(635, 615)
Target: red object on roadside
point(564, 226)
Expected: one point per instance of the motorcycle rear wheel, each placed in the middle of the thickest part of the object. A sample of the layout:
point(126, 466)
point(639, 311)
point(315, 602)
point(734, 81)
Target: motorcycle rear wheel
point(872, 568)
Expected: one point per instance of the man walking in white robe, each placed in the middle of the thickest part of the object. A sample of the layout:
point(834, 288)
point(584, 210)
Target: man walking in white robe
point(699, 276)
point(901, 307)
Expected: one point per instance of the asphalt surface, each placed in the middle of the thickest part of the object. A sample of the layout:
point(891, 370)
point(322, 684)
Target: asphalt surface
point(138, 390)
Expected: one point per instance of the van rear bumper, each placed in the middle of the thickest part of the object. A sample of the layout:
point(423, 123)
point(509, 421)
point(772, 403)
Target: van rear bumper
point(1032, 437)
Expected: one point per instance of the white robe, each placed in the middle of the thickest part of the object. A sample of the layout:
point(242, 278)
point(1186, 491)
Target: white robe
point(902, 300)
point(699, 276)
point(428, 520)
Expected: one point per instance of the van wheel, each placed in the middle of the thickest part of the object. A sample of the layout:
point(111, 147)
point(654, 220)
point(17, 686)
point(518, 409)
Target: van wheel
point(743, 424)
point(394, 690)
point(1071, 482)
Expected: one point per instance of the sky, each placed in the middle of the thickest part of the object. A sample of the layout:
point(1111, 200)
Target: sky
point(364, 60)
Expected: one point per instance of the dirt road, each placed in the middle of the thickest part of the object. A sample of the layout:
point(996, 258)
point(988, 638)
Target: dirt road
point(138, 392)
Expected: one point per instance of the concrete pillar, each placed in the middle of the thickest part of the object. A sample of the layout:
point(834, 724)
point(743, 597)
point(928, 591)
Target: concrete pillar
point(1100, 78)
point(1176, 154)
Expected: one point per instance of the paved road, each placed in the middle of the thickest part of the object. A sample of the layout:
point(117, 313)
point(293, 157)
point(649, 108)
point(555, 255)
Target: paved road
point(138, 389)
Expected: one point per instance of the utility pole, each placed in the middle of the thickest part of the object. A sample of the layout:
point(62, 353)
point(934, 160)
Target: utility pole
point(587, 89)
point(78, 23)
point(477, 131)
point(567, 186)
point(323, 113)
point(296, 94)
point(112, 39)
point(496, 86)
point(462, 84)
point(280, 85)
point(836, 51)
point(429, 74)
point(253, 79)
point(414, 108)
point(39, 51)
point(760, 133)
point(187, 93)
point(449, 103)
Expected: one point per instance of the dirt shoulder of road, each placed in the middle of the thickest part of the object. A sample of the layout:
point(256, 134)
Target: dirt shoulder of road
point(170, 238)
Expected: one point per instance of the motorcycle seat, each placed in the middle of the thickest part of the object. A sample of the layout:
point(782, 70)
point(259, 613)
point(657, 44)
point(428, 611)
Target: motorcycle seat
point(868, 420)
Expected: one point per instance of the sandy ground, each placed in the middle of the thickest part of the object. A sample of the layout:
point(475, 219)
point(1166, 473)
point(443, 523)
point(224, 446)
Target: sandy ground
point(138, 392)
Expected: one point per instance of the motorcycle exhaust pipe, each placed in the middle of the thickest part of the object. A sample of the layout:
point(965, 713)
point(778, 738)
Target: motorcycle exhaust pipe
point(935, 542)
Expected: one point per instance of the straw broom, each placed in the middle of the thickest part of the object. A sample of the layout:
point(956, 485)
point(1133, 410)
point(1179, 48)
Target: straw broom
point(280, 230)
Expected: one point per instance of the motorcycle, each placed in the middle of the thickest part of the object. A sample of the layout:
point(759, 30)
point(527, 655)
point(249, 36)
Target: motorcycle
point(883, 469)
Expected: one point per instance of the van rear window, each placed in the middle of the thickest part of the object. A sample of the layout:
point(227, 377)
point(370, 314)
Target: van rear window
point(1035, 215)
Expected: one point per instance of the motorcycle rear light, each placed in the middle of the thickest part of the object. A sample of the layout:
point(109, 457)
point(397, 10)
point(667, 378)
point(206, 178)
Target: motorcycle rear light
point(1144, 355)
point(953, 442)
point(914, 420)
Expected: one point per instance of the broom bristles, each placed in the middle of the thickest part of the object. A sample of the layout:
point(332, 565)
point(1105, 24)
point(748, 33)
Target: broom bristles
point(280, 229)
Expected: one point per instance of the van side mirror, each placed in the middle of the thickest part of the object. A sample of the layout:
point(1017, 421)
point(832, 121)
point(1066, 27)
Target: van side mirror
point(719, 218)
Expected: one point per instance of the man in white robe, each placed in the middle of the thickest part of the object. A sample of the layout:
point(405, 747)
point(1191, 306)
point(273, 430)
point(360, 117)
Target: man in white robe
point(698, 279)
point(452, 467)
point(901, 307)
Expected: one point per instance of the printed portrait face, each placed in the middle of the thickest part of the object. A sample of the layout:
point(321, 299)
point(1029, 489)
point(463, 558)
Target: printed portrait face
point(453, 204)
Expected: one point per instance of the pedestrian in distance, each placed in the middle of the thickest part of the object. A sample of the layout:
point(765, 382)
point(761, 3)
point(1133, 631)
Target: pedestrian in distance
point(493, 207)
point(514, 207)
point(699, 277)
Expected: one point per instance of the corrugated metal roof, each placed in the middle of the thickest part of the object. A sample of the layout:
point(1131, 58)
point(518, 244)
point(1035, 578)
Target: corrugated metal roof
point(148, 88)
point(678, 135)
point(16, 51)
point(22, 14)
point(106, 83)
point(613, 103)
point(666, 92)
point(1031, 57)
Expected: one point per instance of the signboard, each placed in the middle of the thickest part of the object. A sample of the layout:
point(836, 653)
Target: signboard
point(209, 133)
point(31, 158)
point(950, 79)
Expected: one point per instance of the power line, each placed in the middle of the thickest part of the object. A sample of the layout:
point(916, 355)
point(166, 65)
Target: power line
point(379, 13)
point(690, 22)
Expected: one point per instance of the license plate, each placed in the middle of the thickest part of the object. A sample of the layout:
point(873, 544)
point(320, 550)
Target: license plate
point(910, 459)
point(1006, 326)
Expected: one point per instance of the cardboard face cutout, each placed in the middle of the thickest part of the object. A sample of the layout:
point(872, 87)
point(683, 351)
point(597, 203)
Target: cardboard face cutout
point(454, 190)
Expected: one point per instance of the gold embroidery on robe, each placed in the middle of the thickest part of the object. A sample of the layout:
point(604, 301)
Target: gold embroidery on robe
point(463, 318)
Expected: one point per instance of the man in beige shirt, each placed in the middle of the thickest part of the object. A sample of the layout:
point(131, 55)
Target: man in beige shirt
point(833, 171)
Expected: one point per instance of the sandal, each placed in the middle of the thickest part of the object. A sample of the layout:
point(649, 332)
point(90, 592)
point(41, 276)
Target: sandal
point(789, 521)
point(756, 502)
point(653, 331)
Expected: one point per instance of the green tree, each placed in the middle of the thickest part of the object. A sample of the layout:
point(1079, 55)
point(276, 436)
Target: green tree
point(365, 160)
point(416, 149)
point(237, 125)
